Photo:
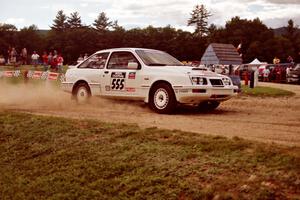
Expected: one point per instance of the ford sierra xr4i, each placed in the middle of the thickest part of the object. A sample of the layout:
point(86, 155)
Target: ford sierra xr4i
point(152, 76)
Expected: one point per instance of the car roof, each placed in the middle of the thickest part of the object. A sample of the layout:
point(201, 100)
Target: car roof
point(125, 49)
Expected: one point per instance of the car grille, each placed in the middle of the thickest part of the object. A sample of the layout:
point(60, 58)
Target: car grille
point(216, 82)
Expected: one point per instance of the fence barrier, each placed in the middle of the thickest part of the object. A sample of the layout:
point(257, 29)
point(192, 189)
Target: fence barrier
point(30, 74)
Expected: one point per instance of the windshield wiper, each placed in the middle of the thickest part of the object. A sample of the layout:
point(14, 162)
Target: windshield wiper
point(156, 64)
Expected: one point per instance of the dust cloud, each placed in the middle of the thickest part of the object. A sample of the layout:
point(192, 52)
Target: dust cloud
point(47, 96)
point(32, 96)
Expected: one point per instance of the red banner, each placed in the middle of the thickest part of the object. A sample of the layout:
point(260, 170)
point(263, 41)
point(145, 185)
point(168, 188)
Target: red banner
point(9, 73)
point(33, 75)
point(37, 74)
point(53, 76)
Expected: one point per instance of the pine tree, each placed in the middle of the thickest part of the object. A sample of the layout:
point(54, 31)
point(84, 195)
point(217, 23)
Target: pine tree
point(199, 17)
point(102, 22)
point(60, 21)
point(292, 34)
point(115, 25)
point(74, 21)
point(291, 30)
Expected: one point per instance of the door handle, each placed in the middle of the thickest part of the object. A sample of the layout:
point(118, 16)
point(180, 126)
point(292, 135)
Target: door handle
point(106, 72)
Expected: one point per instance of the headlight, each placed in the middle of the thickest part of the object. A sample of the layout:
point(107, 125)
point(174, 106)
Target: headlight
point(226, 81)
point(198, 80)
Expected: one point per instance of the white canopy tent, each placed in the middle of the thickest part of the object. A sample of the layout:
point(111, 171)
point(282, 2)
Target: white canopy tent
point(257, 62)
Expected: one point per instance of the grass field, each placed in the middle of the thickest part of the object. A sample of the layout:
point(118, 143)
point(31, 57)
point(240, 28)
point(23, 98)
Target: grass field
point(261, 91)
point(57, 158)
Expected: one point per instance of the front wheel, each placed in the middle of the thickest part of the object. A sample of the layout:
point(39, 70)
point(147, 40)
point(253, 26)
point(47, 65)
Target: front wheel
point(82, 93)
point(162, 99)
point(208, 105)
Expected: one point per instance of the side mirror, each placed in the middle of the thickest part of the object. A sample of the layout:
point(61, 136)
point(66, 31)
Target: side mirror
point(133, 65)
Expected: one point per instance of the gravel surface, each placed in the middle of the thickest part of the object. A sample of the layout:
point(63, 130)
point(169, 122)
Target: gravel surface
point(262, 119)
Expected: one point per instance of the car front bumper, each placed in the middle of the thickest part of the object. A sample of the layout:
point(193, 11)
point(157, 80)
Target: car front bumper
point(196, 94)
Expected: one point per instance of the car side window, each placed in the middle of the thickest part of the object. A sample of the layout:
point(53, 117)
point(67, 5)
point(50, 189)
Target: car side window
point(96, 61)
point(120, 60)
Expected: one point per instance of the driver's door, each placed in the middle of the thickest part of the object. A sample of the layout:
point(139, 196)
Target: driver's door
point(120, 79)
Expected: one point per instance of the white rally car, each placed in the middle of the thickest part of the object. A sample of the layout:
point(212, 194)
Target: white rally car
point(152, 76)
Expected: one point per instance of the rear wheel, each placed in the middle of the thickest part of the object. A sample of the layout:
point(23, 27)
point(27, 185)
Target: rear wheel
point(208, 105)
point(162, 99)
point(82, 93)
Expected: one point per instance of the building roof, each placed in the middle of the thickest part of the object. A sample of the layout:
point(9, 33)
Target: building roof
point(221, 54)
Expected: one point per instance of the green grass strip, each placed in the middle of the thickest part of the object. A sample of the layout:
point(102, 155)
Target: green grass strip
point(260, 91)
point(58, 158)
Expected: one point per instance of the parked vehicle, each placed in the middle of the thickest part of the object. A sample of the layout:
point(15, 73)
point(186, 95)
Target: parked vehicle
point(261, 69)
point(277, 71)
point(294, 75)
point(152, 76)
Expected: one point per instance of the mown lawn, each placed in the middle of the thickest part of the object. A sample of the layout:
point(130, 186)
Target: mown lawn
point(261, 91)
point(56, 158)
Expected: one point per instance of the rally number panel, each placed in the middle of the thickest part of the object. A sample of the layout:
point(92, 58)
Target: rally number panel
point(117, 81)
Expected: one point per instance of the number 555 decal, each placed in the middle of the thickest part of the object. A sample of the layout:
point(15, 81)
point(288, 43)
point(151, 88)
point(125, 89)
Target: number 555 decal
point(117, 84)
point(118, 80)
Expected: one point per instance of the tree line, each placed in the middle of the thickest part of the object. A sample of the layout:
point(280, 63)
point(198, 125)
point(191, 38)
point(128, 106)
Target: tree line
point(71, 37)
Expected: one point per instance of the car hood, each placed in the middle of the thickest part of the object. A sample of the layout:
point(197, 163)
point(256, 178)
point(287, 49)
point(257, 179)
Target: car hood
point(193, 71)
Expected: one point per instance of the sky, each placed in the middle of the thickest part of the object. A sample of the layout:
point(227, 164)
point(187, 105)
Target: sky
point(142, 13)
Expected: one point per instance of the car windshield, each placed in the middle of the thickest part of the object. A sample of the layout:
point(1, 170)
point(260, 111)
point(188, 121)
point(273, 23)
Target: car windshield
point(157, 58)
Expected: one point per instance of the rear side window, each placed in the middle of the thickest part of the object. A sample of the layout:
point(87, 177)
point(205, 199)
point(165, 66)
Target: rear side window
point(120, 60)
point(96, 61)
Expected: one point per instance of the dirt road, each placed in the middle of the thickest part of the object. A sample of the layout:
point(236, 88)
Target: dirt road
point(262, 119)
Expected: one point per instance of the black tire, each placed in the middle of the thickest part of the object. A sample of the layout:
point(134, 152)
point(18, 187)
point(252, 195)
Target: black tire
point(208, 105)
point(162, 99)
point(82, 93)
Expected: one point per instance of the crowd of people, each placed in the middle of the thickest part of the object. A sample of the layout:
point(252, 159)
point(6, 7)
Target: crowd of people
point(49, 60)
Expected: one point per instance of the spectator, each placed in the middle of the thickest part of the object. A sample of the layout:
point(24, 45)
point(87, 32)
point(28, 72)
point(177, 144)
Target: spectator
point(35, 58)
point(50, 59)
point(80, 59)
point(278, 74)
point(2, 60)
point(290, 59)
point(54, 54)
point(276, 60)
point(223, 70)
point(266, 74)
point(230, 69)
point(54, 61)
point(13, 56)
point(85, 56)
point(45, 61)
point(8, 55)
point(60, 61)
point(24, 56)
point(213, 68)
